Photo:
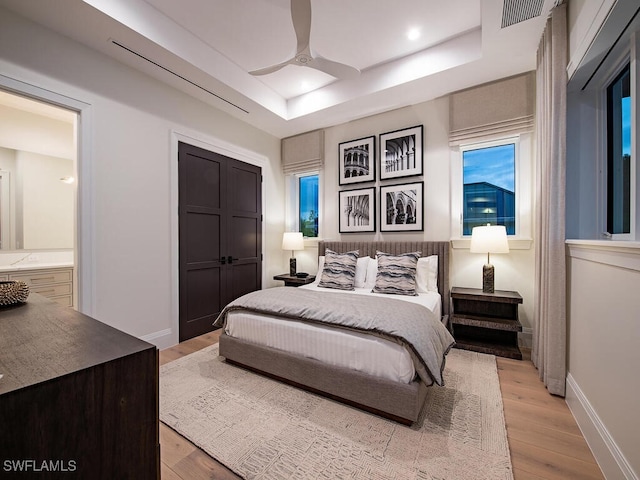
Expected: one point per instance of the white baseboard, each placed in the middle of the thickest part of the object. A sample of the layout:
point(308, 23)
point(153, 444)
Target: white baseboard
point(612, 462)
point(162, 339)
point(525, 338)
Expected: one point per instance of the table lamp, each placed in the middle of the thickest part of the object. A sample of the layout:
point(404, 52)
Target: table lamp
point(489, 239)
point(292, 241)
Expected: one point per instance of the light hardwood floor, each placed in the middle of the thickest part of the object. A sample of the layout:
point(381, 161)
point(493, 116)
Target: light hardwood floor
point(544, 439)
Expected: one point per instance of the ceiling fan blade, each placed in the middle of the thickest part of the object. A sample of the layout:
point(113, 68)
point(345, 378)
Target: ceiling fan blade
point(301, 18)
point(272, 68)
point(335, 69)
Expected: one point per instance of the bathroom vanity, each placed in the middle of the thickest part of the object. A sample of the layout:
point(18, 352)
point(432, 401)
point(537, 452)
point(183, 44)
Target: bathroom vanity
point(53, 283)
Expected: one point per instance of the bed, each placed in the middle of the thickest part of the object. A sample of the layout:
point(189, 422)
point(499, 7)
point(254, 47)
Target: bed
point(380, 380)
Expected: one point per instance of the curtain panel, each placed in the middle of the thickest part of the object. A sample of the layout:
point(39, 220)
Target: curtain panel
point(549, 323)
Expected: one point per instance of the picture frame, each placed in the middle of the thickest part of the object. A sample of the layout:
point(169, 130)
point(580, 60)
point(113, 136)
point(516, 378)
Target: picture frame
point(402, 207)
point(357, 210)
point(401, 153)
point(357, 161)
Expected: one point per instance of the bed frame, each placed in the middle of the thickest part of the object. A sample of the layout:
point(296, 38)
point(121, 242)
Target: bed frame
point(398, 401)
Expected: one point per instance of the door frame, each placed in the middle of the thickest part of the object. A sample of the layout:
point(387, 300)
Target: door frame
point(218, 146)
point(84, 273)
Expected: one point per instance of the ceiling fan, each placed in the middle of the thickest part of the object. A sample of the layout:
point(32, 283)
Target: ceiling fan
point(305, 56)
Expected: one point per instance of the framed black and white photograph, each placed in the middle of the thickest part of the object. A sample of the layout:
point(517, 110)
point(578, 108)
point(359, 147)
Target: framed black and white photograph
point(401, 153)
point(357, 161)
point(401, 207)
point(357, 210)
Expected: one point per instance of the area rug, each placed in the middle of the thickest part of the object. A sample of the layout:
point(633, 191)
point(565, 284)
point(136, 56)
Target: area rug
point(264, 429)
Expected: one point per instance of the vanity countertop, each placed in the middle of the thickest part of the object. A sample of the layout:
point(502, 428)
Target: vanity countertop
point(34, 266)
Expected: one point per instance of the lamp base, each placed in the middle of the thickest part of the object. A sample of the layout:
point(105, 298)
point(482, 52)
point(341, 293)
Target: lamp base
point(292, 266)
point(487, 278)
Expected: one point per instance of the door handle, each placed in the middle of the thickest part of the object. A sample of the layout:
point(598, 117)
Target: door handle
point(223, 260)
point(230, 259)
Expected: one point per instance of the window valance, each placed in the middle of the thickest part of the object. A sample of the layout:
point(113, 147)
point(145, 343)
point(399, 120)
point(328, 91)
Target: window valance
point(497, 109)
point(303, 153)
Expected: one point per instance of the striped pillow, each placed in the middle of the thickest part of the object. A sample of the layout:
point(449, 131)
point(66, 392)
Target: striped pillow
point(396, 273)
point(339, 270)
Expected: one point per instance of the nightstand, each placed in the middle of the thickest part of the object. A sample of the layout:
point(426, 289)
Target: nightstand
point(293, 281)
point(486, 322)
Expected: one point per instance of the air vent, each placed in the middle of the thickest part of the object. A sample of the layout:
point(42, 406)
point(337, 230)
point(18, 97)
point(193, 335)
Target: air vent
point(146, 59)
point(516, 11)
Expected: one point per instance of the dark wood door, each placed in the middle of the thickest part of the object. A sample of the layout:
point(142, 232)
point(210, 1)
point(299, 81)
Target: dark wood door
point(220, 208)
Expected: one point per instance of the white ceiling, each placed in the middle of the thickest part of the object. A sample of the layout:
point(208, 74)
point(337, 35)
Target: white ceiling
point(207, 47)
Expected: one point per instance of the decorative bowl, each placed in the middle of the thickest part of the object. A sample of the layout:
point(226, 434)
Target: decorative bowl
point(13, 292)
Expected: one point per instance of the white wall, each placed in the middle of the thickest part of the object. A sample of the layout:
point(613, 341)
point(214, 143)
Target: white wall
point(513, 272)
point(133, 120)
point(434, 115)
point(603, 338)
point(21, 130)
point(603, 385)
point(47, 203)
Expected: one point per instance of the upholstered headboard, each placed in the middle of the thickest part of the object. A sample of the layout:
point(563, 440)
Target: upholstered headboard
point(427, 248)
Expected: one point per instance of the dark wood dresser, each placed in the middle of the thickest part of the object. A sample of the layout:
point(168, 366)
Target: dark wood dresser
point(78, 398)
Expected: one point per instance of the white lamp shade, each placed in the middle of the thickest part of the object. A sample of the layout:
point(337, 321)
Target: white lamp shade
point(292, 241)
point(489, 239)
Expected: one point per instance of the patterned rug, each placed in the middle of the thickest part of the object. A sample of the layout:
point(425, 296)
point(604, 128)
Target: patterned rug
point(263, 429)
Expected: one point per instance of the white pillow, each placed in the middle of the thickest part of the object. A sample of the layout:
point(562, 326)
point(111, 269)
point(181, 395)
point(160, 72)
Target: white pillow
point(361, 271)
point(320, 268)
point(427, 274)
point(372, 272)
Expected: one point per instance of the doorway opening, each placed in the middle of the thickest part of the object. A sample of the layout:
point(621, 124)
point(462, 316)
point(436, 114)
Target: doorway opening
point(38, 188)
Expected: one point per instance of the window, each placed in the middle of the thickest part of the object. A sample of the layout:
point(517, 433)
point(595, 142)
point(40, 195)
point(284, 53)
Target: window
point(303, 200)
point(619, 154)
point(492, 182)
point(489, 185)
point(308, 205)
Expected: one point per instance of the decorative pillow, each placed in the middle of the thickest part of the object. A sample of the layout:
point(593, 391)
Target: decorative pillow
point(339, 270)
point(361, 271)
point(427, 274)
point(396, 273)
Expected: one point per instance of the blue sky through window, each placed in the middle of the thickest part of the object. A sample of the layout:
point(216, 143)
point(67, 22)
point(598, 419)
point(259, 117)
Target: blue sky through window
point(308, 193)
point(495, 165)
point(626, 125)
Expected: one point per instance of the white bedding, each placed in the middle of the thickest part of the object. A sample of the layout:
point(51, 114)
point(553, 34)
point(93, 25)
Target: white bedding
point(359, 351)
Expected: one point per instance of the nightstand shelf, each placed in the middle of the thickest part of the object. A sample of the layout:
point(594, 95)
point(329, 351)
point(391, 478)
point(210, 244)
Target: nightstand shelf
point(293, 281)
point(486, 322)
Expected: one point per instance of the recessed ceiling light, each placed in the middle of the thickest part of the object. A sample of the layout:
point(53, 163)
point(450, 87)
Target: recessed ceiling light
point(413, 33)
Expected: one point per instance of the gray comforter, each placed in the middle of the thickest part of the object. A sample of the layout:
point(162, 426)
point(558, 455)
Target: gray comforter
point(409, 324)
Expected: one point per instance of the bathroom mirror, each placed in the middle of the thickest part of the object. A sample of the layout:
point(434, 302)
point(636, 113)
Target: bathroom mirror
point(37, 175)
